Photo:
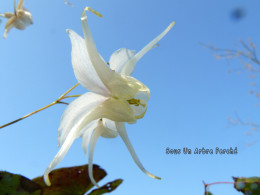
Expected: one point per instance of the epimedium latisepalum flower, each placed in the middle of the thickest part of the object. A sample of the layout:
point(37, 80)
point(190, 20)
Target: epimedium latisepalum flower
point(20, 19)
point(114, 98)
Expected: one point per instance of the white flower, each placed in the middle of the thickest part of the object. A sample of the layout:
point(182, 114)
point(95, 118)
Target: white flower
point(20, 19)
point(115, 97)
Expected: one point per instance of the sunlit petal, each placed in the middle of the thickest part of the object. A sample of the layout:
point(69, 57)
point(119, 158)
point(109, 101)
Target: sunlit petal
point(60, 155)
point(129, 67)
point(76, 111)
point(88, 130)
point(114, 82)
point(117, 110)
point(83, 67)
point(72, 135)
point(111, 131)
point(96, 134)
point(112, 109)
point(119, 59)
point(123, 134)
point(116, 97)
point(9, 25)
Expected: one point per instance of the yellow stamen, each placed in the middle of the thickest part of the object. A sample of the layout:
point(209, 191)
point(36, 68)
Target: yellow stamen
point(135, 102)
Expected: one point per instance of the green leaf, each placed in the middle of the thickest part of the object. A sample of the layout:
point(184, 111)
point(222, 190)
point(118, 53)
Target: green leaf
point(208, 193)
point(109, 187)
point(249, 185)
point(13, 184)
point(72, 180)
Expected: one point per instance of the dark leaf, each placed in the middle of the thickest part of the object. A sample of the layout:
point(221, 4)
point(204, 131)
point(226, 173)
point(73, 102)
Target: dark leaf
point(249, 186)
point(109, 187)
point(72, 180)
point(13, 184)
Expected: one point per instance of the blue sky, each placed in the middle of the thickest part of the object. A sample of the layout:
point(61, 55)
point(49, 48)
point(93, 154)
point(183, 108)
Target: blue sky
point(191, 92)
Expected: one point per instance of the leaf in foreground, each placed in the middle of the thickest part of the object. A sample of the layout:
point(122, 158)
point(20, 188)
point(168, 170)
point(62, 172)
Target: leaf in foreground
point(73, 180)
point(65, 181)
point(109, 187)
point(250, 185)
point(208, 193)
point(17, 184)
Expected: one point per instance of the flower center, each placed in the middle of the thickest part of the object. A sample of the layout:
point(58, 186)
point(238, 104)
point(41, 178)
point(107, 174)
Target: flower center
point(135, 102)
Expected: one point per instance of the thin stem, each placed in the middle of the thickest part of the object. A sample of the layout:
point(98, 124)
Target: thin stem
point(69, 96)
point(215, 183)
point(63, 96)
point(221, 182)
point(28, 115)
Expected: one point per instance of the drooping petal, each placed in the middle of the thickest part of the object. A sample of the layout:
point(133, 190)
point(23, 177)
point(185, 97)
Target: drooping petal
point(97, 133)
point(123, 134)
point(129, 66)
point(76, 111)
point(119, 59)
point(82, 66)
point(117, 84)
point(74, 132)
point(78, 119)
point(86, 136)
point(9, 25)
point(89, 107)
point(60, 155)
point(109, 131)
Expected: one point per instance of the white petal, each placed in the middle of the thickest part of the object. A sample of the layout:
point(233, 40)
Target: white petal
point(139, 111)
point(90, 107)
point(117, 85)
point(123, 134)
point(76, 111)
point(87, 135)
point(24, 20)
point(129, 66)
point(116, 110)
point(111, 130)
point(97, 133)
point(119, 59)
point(141, 99)
point(9, 25)
point(60, 155)
point(82, 66)
point(72, 135)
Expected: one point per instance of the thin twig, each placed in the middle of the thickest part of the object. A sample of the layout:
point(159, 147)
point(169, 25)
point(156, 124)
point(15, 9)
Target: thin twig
point(206, 185)
point(63, 96)
point(69, 96)
point(221, 182)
